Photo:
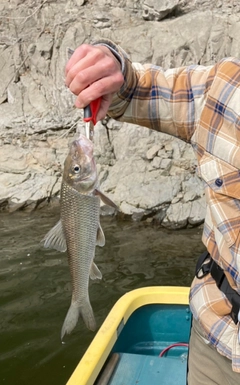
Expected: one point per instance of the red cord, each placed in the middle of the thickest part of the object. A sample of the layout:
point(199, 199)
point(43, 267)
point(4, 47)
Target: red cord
point(172, 346)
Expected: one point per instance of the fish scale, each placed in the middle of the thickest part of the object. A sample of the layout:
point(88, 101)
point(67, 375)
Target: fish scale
point(80, 221)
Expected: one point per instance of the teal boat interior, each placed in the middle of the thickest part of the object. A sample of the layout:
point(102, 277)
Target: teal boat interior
point(151, 348)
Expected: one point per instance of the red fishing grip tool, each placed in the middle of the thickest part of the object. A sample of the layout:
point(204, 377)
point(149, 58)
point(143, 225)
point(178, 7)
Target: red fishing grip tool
point(90, 111)
point(90, 117)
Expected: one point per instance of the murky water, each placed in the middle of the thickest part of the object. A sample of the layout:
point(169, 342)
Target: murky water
point(35, 289)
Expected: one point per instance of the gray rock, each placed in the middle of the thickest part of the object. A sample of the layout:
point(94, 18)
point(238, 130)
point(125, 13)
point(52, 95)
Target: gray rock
point(157, 10)
point(198, 212)
point(152, 151)
point(156, 163)
point(166, 164)
point(177, 216)
point(148, 174)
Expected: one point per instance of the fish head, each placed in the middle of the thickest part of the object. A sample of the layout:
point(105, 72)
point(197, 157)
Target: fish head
point(80, 170)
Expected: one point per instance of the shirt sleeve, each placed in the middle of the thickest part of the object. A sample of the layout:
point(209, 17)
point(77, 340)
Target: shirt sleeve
point(198, 104)
point(169, 101)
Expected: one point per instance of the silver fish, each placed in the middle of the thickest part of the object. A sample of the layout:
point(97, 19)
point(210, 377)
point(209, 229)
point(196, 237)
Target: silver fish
point(79, 230)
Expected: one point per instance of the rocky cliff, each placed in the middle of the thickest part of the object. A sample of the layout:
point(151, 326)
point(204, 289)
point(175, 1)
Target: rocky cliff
point(146, 173)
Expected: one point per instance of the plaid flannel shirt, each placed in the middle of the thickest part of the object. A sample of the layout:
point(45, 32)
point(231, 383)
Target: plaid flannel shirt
point(200, 105)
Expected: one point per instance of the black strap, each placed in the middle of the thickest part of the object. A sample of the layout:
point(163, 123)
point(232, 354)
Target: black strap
point(206, 265)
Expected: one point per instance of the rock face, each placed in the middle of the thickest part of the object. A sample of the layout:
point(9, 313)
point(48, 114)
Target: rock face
point(149, 175)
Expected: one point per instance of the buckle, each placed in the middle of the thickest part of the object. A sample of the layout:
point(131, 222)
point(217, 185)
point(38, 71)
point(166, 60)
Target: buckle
point(204, 269)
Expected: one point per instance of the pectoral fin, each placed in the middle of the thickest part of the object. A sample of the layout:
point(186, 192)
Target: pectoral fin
point(55, 238)
point(95, 273)
point(105, 199)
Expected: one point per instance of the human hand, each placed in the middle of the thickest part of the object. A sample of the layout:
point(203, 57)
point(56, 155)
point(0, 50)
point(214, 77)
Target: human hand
point(93, 72)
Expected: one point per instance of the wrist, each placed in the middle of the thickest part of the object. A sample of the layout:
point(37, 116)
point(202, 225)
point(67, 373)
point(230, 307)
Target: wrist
point(110, 50)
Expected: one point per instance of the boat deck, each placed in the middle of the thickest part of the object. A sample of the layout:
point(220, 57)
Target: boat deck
point(136, 356)
point(145, 370)
point(144, 340)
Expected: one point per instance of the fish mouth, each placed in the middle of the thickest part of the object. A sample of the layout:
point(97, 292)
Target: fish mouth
point(85, 179)
point(86, 184)
point(82, 179)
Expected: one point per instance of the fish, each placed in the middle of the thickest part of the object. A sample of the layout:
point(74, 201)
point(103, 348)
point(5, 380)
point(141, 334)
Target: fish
point(79, 231)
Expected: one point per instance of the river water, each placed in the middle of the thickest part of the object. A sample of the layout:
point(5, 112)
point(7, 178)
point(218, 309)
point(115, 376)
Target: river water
point(35, 289)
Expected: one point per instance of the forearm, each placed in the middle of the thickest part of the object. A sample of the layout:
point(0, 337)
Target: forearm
point(167, 101)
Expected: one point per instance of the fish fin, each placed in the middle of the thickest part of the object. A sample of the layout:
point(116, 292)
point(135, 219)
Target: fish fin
point(95, 273)
point(55, 238)
point(105, 199)
point(73, 314)
point(100, 241)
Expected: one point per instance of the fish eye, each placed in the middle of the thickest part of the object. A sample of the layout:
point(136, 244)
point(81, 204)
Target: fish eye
point(76, 169)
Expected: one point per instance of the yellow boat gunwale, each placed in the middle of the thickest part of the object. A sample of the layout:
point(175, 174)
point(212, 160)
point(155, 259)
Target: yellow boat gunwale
point(93, 360)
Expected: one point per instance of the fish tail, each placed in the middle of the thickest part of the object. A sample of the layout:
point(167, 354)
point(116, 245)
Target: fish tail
point(86, 312)
point(72, 317)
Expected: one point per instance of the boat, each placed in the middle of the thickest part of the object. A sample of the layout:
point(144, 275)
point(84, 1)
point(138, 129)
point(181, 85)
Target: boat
point(143, 340)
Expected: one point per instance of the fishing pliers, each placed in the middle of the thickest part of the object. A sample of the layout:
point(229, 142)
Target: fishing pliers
point(90, 117)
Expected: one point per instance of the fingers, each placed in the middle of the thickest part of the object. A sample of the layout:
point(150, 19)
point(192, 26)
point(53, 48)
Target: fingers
point(83, 57)
point(78, 54)
point(93, 72)
point(102, 87)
